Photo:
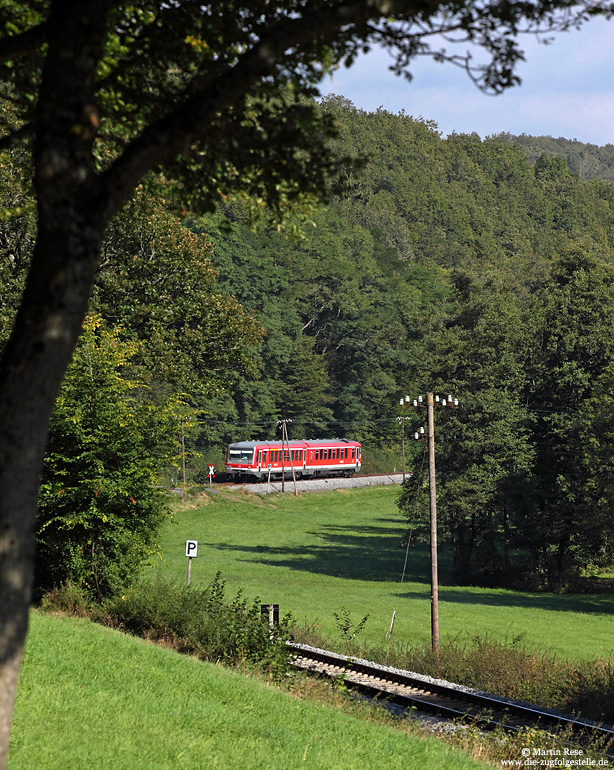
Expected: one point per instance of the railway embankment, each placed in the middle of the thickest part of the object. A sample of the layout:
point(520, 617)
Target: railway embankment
point(321, 485)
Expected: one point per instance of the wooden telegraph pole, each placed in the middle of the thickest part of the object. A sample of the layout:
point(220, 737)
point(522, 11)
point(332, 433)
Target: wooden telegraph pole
point(284, 438)
point(431, 403)
point(404, 403)
point(430, 416)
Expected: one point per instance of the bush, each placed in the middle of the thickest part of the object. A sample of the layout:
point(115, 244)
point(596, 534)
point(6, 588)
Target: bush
point(203, 623)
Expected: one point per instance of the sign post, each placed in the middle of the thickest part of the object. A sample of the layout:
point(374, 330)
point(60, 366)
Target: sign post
point(211, 473)
point(191, 551)
point(272, 612)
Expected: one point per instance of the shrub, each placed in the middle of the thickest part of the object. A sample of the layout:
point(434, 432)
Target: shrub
point(202, 622)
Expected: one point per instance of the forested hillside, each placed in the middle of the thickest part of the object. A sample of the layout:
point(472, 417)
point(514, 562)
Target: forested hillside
point(368, 297)
point(482, 268)
point(588, 161)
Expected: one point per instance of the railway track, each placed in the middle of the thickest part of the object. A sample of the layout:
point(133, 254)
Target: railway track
point(413, 691)
point(315, 479)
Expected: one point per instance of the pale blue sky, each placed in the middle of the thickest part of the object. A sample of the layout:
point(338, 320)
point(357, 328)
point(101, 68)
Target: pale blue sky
point(567, 90)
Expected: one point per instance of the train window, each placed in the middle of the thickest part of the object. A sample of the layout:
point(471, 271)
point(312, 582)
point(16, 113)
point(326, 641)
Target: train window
point(241, 455)
point(352, 453)
point(311, 455)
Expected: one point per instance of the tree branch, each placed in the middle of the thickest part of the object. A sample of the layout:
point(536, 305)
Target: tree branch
point(292, 43)
point(10, 140)
point(25, 42)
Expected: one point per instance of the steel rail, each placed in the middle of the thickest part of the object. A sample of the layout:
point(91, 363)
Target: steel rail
point(409, 690)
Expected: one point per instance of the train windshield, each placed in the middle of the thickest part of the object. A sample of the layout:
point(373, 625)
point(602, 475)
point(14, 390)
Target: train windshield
point(240, 455)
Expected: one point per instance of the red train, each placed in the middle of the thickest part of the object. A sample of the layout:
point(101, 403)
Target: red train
point(323, 457)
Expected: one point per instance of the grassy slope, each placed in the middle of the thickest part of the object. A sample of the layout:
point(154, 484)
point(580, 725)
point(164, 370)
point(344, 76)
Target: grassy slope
point(318, 552)
point(90, 697)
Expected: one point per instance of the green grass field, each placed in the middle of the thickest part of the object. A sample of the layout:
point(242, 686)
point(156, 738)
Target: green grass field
point(90, 697)
point(321, 552)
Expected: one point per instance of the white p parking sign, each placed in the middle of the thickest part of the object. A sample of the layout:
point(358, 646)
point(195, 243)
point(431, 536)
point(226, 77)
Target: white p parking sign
point(191, 548)
point(191, 551)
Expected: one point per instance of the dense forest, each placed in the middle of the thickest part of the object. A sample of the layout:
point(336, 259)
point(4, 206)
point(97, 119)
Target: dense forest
point(481, 268)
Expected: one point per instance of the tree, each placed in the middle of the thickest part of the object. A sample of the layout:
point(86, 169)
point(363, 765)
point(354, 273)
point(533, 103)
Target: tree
point(99, 508)
point(484, 457)
point(107, 91)
point(156, 279)
point(573, 353)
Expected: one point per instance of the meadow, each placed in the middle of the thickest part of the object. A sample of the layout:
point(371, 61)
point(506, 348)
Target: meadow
point(332, 556)
point(92, 697)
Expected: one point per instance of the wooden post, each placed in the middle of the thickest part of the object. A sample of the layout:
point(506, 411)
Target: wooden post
point(283, 455)
point(183, 460)
point(284, 435)
point(403, 442)
point(189, 572)
point(430, 409)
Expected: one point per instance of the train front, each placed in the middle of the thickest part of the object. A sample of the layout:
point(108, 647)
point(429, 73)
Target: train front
point(240, 460)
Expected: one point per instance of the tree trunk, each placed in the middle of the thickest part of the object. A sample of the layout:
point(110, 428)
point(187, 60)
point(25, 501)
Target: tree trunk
point(72, 216)
point(45, 333)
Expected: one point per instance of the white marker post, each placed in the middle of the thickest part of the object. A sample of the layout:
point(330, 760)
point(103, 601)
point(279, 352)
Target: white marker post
point(191, 551)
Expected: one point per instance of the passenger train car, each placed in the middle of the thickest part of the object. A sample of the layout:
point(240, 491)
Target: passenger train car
point(253, 460)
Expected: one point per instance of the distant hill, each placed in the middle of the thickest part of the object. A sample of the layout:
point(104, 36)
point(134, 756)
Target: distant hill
point(587, 161)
